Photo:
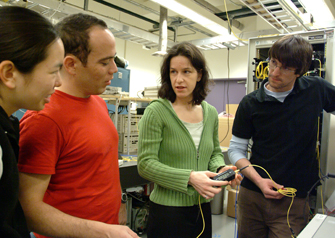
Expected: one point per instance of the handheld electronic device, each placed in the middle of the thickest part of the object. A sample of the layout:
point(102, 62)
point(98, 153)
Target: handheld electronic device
point(227, 175)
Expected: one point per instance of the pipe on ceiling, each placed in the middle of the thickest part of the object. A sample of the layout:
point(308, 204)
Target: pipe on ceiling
point(130, 13)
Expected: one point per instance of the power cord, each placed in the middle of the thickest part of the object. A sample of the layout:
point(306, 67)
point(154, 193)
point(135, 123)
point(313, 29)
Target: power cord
point(203, 219)
point(316, 183)
point(261, 71)
point(227, 104)
point(288, 192)
point(230, 26)
point(235, 203)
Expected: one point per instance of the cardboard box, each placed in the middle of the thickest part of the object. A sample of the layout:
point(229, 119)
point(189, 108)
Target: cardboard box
point(225, 130)
point(231, 108)
point(231, 201)
point(226, 125)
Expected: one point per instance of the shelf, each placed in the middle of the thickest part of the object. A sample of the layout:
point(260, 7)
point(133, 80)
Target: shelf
point(120, 100)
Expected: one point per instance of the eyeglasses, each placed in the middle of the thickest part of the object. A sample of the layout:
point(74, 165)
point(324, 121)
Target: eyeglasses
point(273, 65)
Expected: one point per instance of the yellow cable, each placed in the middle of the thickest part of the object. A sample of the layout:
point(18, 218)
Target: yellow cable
point(320, 67)
point(261, 71)
point(230, 25)
point(203, 219)
point(288, 192)
point(266, 72)
point(318, 158)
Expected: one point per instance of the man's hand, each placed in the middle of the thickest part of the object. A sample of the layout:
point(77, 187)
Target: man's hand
point(269, 188)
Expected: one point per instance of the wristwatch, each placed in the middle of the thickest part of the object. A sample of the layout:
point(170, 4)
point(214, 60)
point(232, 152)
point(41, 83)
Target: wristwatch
point(124, 197)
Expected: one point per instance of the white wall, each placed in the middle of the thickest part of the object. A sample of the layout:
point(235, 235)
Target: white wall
point(218, 62)
point(145, 68)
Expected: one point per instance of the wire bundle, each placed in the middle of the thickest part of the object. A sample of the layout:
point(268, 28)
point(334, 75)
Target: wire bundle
point(262, 71)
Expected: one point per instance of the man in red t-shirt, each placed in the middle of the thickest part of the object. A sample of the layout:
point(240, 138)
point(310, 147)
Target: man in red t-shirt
point(68, 163)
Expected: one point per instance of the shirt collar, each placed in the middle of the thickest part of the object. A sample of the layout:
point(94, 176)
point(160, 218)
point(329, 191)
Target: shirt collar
point(300, 84)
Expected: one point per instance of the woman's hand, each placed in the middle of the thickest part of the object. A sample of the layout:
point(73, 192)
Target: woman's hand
point(238, 177)
point(205, 186)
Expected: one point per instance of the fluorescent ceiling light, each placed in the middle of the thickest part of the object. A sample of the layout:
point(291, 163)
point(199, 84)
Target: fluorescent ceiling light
point(196, 17)
point(318, 9)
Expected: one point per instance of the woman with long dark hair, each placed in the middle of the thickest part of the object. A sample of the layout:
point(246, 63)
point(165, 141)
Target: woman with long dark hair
point(31, 54)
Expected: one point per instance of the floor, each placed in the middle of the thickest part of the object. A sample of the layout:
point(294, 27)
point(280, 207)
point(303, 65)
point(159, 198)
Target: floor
point(222, 225)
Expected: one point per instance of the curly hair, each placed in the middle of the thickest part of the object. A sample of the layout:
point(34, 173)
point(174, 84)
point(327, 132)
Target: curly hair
point(197, 60)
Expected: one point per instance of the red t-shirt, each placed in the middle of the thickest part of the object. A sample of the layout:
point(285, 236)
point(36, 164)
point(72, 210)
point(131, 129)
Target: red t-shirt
point(75, 141)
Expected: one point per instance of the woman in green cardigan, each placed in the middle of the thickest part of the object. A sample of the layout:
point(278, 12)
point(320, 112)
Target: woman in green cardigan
point(179, 149)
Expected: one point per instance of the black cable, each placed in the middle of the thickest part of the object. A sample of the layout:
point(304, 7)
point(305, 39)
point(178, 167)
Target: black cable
point(121, 109)
point(243, 168)
point(135, 197)
point(307, 198)
point(227, 97)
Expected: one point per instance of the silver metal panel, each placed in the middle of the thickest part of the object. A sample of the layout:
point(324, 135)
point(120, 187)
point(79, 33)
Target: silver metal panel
point(321, 226)
point(328, 133)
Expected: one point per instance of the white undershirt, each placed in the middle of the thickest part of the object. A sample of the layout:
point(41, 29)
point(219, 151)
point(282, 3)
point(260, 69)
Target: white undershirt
point(280, 96)
point(195, 129)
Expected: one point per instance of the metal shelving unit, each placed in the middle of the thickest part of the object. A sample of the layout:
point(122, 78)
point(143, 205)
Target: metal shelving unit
point(282, 15)
point(119, 100)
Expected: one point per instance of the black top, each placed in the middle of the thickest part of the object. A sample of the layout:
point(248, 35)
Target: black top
point(12, 220)
point(284, 134)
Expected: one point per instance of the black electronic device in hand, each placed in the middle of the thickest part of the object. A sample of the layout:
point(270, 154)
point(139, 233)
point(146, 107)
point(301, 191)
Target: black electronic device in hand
point(227, 175)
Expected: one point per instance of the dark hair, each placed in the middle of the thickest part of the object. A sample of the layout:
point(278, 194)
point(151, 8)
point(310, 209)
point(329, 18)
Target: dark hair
point(25, 37)
point(74, 31)
point(293, 51)
point(198, 62)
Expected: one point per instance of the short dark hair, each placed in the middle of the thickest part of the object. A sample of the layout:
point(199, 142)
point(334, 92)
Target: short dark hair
point(74, 32)
point(293, 51)
point(25, 37)
point(197, 60)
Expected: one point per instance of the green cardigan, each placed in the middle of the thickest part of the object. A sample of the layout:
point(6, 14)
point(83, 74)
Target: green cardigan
point(167, 154)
